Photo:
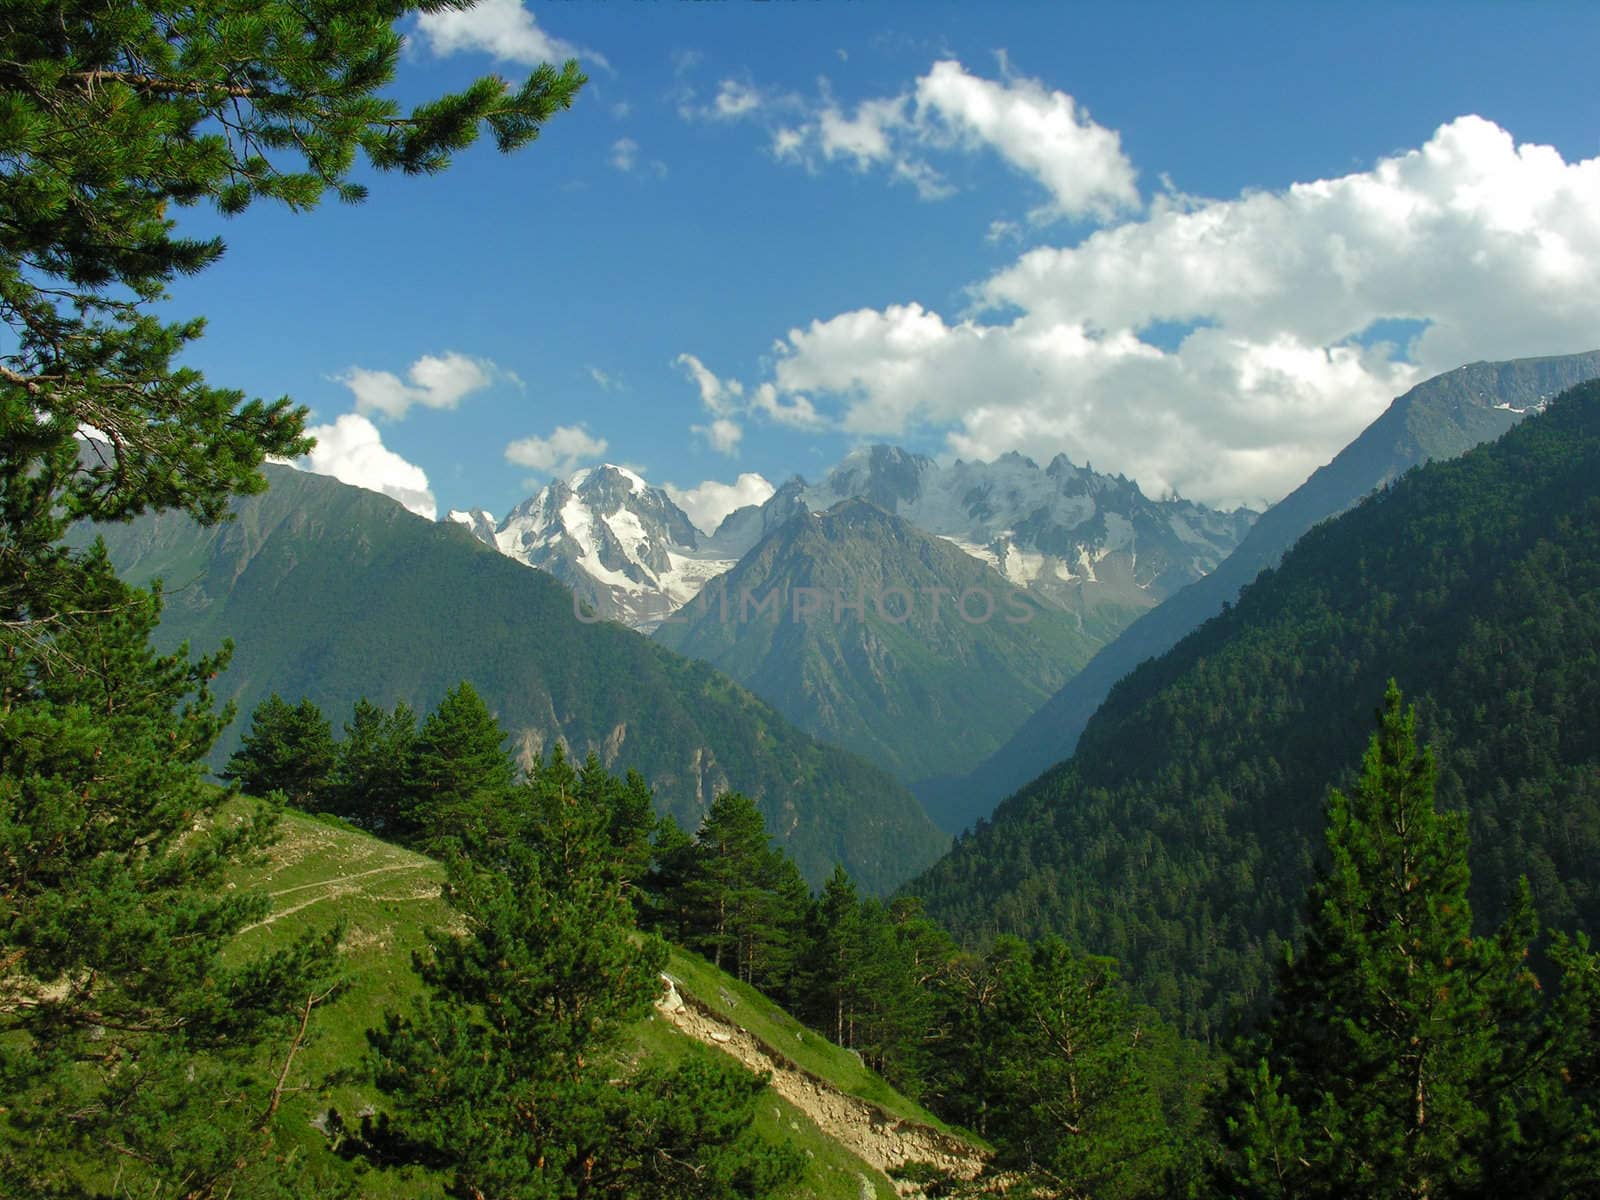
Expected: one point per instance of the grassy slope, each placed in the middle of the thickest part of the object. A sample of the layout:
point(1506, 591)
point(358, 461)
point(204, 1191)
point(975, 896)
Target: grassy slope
point(321, 872)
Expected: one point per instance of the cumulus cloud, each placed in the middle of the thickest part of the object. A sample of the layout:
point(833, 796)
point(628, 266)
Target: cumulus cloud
point(722, 435)
point(501, 28)
point(435, 381)
point(1223, 348)
point(794, 410)
point(1040, 132)
point(725, 399)
point(351, 450)
point(708, 503)
point(557, 454)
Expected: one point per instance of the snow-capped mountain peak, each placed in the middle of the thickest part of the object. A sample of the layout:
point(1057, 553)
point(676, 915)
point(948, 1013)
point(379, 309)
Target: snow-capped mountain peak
point(480, 521)
point(623, 546)
point(632, 555)
point(1052, 529)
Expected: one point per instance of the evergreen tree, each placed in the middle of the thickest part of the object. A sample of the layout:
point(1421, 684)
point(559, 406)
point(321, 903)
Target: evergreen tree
point(631, 819)
point(369, 779)
point(111, 115)
point(131, 1048)
point(1402, 1048)
point(288, 748)
point(508, 1077)
point(459, 777)
point(1072, 1103)
point(665, 902)
point(834, 967)
point(744, 901)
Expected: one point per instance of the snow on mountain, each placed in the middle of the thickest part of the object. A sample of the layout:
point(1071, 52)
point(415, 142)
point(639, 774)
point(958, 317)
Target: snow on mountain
point(624, 548)
point(479, 521)
point(1052, 530)
point(1071, 537)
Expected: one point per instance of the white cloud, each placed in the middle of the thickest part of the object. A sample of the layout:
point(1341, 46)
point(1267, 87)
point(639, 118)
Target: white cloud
point(1263, 301)
point(501, 28)
point(1003, 231)
point(621, 109)
point(725, 399)
point(709, 502)
point(1040, 132)
point(722, 435)
point(557, 454)
point(605, 379)
point(794, 410)
point(352, 451)
point(735, 100)
point(436, 381)
point(625, 158)
point(720, 397)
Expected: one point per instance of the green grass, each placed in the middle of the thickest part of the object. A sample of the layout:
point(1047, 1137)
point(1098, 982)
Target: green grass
point(321, 872)
point(744, 1005)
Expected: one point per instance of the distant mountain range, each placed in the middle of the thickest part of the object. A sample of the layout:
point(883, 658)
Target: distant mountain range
point(335, 593)
point(1069, 535)
point(1181, 834)
point(1438, 419)
point(883, 639)
point(1087, 552)
point(1072, 538)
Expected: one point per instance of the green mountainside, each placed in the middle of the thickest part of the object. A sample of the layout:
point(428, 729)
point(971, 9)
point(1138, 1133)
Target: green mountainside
point(1442, 417)
point(918, 684)
point(334, 593)
point(386, 898)
point(1181, 834)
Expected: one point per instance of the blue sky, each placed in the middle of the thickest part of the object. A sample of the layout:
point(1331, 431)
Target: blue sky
point(1199, 245)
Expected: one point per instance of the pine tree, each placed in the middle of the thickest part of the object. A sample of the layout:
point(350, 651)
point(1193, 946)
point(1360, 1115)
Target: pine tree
point(744, 900)
point(509, 1076)
point(835, 964)
point(112, 115)
point(131, 1047)
point(289, 749)
point(368, 785)
point(459, 776)
point(1072, 1103)
point(723, 890)
point(1401, 1045)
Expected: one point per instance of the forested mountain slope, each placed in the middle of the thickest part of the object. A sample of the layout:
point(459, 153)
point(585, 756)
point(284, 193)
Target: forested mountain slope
point(335, 593)
point(387, 899)
point(1182, 833)
point(1440, 418)
point(885, 640)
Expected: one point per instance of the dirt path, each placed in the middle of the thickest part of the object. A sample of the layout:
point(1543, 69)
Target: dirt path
point(337, 887)
point(872, 1135)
